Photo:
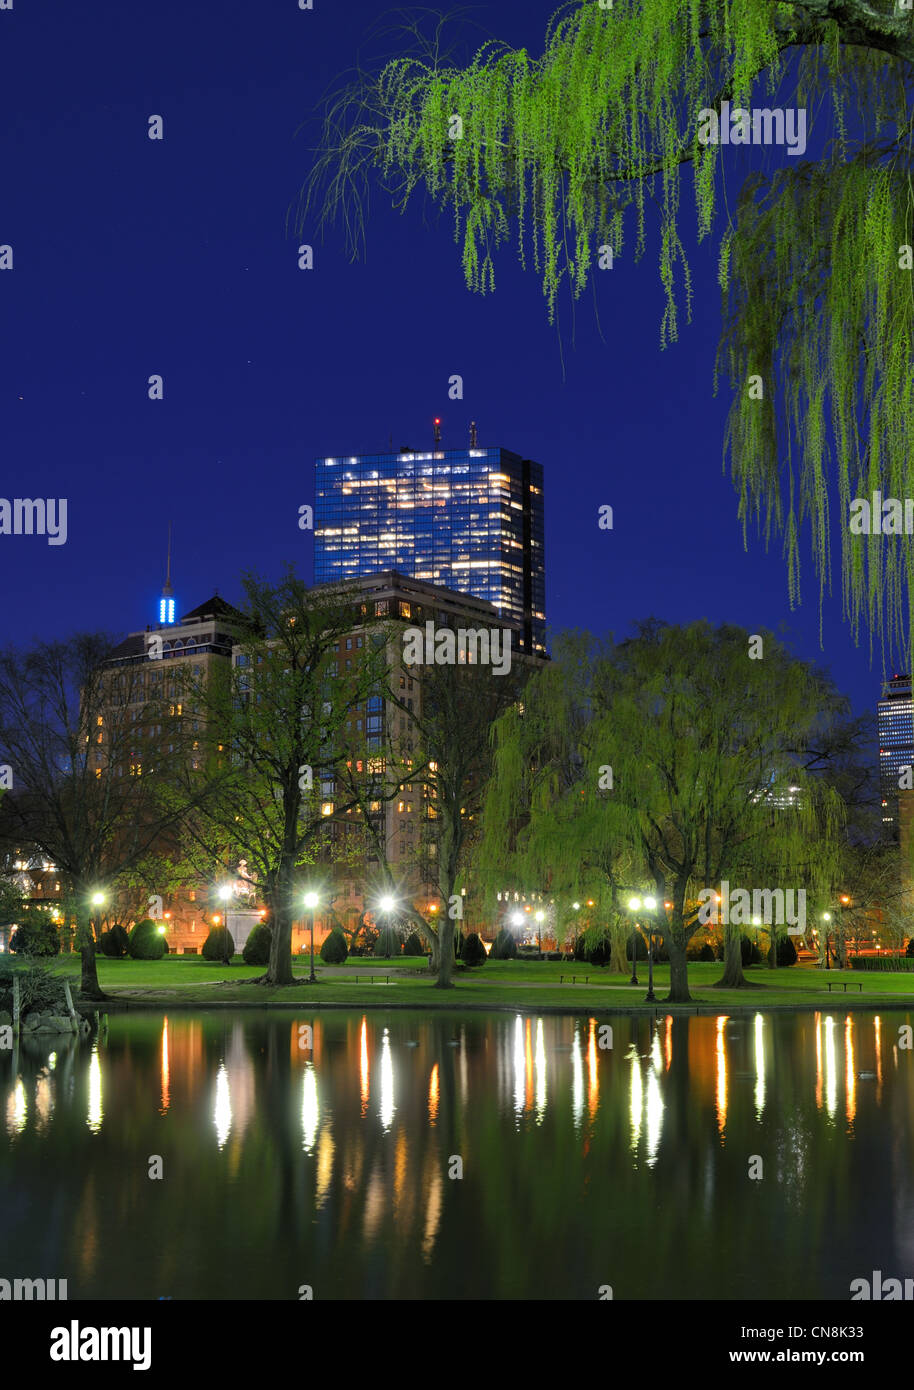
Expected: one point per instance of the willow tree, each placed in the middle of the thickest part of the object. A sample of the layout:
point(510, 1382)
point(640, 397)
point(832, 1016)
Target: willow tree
point(570, 151)
point(566, 845)
point(91, 776)
point(278, 729)
point(445, 691)
point(685, 758)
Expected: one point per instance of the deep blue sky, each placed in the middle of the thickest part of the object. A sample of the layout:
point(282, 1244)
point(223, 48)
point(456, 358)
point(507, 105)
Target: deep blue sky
point(134, 257)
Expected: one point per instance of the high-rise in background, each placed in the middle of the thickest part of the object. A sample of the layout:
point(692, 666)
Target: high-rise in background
point(469, 519)
point(895, 716)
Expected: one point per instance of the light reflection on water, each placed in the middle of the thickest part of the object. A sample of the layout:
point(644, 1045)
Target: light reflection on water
point(335, 1164)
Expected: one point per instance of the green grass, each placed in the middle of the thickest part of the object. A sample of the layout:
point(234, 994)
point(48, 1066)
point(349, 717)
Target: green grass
point(190, 980)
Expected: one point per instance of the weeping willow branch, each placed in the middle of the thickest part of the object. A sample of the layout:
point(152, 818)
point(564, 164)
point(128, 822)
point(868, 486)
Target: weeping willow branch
point(562, 151)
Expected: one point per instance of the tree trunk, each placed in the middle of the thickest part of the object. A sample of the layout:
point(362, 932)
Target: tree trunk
point(279, 897)
point(618, 938)
point(89, 986)
point(446, 955)
point(679, 971)
point(733, 977)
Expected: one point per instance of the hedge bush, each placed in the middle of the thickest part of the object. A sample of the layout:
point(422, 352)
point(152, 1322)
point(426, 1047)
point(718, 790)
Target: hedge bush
point(786, 951)
point(35, 939)
point(473, 953)
point(901, 963)
point(414, 945)
point(599, 953)
point(387, 944)
point(146, 942)
point(333, 948)
point(505, 947)
point(114, 943)
point(749, 952)
point(256, 950)
point(219, 945)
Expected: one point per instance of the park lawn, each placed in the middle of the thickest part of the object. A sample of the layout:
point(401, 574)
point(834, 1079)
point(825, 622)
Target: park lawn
point(190, 980)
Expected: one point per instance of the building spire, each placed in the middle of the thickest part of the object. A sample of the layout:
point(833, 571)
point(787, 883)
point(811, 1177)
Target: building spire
point(167, 600)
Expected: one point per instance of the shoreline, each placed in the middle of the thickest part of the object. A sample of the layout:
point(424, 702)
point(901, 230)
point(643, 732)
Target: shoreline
point(696, 1009)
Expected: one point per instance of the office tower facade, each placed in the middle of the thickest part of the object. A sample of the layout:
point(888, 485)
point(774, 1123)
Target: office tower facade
point(470, 520)
point(895, 718)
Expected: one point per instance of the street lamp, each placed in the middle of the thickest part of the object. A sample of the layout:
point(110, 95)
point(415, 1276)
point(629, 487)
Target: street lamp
point(225, 892)
point(387, 905)
point(97, 900)
point(826, 918)
point(311, 904)
point(539, 930)
point(634, 905)
point(651, 906)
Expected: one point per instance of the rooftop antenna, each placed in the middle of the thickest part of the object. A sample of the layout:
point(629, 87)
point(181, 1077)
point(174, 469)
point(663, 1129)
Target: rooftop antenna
point(472, 434)
point(167, 600)
point(168, 591)
point(437, 431)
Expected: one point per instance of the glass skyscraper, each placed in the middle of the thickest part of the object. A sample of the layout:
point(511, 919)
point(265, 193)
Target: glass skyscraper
point(896, 746)
point(469, 519)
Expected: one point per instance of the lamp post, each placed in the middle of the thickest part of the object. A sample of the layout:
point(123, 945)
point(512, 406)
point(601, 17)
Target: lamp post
point(826, 918)
point(97, 900)
point(634, 905)
point(387, 905)
point(311, 904)
point(539, 930)
point(225, 892)
point(651, 905)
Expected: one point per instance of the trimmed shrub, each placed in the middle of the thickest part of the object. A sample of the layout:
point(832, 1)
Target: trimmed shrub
point(256, 950)
point(787, 952)
point(505, 947)
point(473, 952)
point(333, 948)
point(598, 954)
point(387, 944)
point(899, 963)
point(365, 940)
point(909, 949)
point(146, 942)
point(706, 952)
point(553, 955)
point(219, 945)
point(114, 943)
point(35, 939)
point(749, 952)
point(414, 945)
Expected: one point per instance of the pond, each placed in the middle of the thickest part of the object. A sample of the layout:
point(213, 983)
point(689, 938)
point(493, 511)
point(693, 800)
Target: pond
point(392, 1155)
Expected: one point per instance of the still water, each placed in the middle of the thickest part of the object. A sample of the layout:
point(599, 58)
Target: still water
point(335, 1165)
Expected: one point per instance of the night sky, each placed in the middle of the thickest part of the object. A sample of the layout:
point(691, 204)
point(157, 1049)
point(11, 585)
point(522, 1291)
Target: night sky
point(135, 257)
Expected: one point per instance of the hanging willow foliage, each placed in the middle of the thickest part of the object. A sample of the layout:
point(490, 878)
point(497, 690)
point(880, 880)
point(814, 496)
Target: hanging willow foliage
point(567, 148)
point(705, 750)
